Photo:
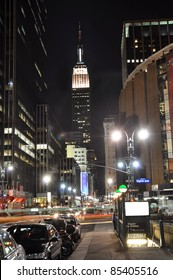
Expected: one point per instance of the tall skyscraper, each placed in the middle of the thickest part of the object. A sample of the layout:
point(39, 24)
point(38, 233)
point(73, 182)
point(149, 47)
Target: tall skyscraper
point(23, 86)
point(81, 119)
point(141, 39)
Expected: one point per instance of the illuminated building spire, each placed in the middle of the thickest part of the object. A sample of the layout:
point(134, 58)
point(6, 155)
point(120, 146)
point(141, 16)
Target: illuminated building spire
point(80, 47)
point(81, 121)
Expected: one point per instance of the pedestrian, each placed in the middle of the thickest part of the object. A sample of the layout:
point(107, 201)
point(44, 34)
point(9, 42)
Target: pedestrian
point(160, 214)
point(114, 220)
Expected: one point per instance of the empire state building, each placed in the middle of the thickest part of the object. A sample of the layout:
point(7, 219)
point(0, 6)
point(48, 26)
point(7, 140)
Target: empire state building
point(81, 97)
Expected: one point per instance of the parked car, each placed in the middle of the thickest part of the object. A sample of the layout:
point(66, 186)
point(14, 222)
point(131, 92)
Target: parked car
point(9, 249)
point(68, 245)
point(72, 222)
point(59, 224)
point(40, 241)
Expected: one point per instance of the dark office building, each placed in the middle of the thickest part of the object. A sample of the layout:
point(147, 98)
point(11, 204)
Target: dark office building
point(141, 39)
point(69, 180)
point(23, 85)
point(74, 138)
point(49, 151)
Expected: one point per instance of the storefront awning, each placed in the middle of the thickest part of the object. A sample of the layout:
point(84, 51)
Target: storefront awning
point(9, 198)
point(6, 199)
point(18, 200)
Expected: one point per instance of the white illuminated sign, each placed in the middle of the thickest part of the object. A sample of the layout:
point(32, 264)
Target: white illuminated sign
point(137, 208)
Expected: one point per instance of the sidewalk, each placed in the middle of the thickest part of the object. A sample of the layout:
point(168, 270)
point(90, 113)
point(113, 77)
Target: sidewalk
point(104, 244)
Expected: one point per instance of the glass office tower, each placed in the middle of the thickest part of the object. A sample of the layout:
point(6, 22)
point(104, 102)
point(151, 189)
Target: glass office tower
point(22, 85)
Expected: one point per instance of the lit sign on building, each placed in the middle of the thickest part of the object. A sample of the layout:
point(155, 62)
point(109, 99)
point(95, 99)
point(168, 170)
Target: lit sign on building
point(84, 182)
point(143, 180)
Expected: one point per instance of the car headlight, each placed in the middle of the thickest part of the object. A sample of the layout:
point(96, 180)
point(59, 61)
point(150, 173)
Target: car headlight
point(56, 215)
point(37, 256)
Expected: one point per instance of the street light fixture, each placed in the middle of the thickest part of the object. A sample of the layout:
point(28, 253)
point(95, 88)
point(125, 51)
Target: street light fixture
point(62, 193)
point(129, 168)
point(46, 180)
point(63, 186)
point(110, 181)
point(142, 135)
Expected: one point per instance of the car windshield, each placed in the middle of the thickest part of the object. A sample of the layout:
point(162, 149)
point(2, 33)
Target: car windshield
point(30, 233)
point(71, 221)
point(57, 223)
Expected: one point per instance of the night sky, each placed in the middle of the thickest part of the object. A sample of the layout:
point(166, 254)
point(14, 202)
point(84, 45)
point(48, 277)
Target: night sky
point(101, 26)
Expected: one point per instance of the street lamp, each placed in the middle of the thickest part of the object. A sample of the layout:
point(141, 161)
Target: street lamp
point(129, 168)
point(110, 181)
point(142, 134)
point(46, 180)
point(62, 192)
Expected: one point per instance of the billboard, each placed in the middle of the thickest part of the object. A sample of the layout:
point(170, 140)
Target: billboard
point(84, 183)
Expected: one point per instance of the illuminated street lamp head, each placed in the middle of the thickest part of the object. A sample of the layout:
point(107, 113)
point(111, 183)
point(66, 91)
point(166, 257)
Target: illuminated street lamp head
point(63, 186)
point(135, 163)
point(110, 181)
point(121, 164)
point(10, 167)
point(46, 179)
point(143, 134)
point(116, 135)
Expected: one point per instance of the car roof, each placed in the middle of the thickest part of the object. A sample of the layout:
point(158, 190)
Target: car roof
point(54, 219)
point(30, 225)
point(67, 216)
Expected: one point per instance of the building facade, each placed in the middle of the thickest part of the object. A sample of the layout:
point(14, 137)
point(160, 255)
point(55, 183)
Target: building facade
point(49, 150)
point(141, 39)
point(109, 125)
point(69, 187)
point(147, 97)
point(23, 86)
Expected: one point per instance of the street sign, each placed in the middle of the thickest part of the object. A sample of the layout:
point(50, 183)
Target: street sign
point(143, 180)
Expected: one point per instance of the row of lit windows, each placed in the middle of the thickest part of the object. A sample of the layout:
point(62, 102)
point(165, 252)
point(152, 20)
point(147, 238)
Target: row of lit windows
point(26, 121)
point(147, 24)
point(28, 143)
point(25, 110)
point(8, 153)
point(135, 60)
